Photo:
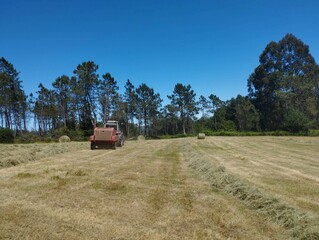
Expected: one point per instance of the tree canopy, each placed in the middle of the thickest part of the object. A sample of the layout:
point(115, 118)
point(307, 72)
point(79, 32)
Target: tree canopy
point(13, 101)
point(183, 98)
point(283, 94)
point(286, 78)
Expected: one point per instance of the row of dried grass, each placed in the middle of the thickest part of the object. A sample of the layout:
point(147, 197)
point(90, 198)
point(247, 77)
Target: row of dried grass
point(15, 154)
point(300, 225)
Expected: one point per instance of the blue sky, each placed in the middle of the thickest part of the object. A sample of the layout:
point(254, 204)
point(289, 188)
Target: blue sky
point(212, 45)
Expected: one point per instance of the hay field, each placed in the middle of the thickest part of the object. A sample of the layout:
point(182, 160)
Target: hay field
point(285, 166)
point(15, 154)
point(154, 189)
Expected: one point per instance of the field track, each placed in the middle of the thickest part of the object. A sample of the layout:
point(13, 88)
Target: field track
point(147, 189)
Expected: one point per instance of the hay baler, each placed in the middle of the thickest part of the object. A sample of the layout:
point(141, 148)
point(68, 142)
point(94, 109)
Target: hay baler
point(107, 137)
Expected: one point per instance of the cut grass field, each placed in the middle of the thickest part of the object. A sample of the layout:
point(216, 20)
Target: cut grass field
point(288, 167)
point(156, 189)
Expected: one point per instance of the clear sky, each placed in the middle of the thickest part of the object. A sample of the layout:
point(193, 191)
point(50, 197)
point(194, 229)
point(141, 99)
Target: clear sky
point(212, 45)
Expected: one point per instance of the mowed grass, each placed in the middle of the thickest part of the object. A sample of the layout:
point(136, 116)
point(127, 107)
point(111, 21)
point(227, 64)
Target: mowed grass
point(146, 190)
point(287, 167)
point(142, 191)
point(15, 154)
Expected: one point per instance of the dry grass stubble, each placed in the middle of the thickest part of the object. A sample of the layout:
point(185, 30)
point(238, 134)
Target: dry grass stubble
point(287, 167)
point(15, 154)
point(302, 224)
point(141, 191)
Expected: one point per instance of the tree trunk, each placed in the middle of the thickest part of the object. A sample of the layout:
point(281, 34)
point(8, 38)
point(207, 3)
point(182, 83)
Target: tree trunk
point(184, 127)
point(7, 119)
point(1, 118)
point(215, 123)
point(24, 122)
point(145, 124)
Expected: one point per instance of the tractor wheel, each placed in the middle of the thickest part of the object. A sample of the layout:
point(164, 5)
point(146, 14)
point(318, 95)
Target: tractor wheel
point(120, 143)
point(92, 146)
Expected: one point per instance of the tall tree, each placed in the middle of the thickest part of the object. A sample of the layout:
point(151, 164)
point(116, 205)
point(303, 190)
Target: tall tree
point(130, 98)
point(215, 103)
point(148, 103)
point(87, 88)
point(183, 98)
point(63, 93)
point(31, 109)
point(286, 77)
point(203, 105)
point(243, 113)
point(45, 108)
point(119, 112)
point(170, 115)
point(80, 117)
point(108, 96)
point(13, 101)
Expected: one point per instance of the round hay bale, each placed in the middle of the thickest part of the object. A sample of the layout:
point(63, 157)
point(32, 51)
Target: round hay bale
point(140, 138)
point(64, 138)
point(201, 136)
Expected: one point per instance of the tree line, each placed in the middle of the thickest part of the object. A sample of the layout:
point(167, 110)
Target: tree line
point(283, 94)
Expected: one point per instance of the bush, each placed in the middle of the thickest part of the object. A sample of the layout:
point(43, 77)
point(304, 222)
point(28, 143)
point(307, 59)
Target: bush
point(60, 132)
point(75, 135)
point(175, 136)
point(313, 132)
point(296, 121)
point(6, 135)
point(208, 132)
point(28, 137)
point(228, 126)
point(78, 135)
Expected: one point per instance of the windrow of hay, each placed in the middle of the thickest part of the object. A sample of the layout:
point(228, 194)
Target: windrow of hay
point(15, 154)
point(301, 225)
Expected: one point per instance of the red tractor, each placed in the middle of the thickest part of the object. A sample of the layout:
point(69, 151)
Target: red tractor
point(109, 136)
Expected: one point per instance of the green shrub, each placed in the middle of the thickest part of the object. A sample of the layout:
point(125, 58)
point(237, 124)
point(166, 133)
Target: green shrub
point(60, 132)
point(296, 121)
point(208, 132)
point(313, 132)
point(88, 133)
point(6, 135)
point(228, 126)
point(28, 137)
point(78, 135)
point(175, 136)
